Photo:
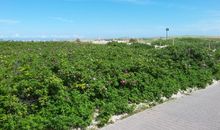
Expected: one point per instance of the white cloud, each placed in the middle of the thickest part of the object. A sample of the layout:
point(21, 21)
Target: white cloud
point(17, 35)
point(10, 35)
point(39, 36)
point(125, 1)
point(213, 13)
point(61, 19)
point(135, 1)
point(206, 26)
point(8, 21)
point(208, 23)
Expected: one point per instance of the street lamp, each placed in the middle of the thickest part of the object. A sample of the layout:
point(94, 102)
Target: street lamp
point(167, 30)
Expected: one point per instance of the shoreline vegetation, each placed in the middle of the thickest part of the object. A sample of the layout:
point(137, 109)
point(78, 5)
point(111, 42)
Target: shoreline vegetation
point(65, 85)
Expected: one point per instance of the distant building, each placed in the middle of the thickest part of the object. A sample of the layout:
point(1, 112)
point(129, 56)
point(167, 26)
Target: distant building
point(100, 41)
point(121, 40)
point(105, 41)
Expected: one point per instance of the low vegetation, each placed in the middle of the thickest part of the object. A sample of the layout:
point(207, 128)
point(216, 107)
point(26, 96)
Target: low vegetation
point(59, 85)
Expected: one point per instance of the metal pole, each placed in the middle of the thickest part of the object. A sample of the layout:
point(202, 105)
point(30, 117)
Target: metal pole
point(167, 30)
point(166, 34)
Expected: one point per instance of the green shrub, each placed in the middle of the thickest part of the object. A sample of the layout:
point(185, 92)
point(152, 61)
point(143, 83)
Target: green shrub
point(59, 85)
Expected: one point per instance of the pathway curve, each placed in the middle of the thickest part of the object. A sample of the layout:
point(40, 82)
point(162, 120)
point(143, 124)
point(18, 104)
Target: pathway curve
point(198, 111)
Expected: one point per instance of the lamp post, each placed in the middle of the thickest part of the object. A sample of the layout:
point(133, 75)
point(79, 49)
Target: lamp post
point(167, 30)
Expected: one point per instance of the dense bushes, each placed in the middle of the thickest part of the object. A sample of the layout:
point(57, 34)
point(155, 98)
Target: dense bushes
point(59, 85)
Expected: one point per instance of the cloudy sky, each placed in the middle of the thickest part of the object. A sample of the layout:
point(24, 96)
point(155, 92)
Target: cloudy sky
point(107, 18)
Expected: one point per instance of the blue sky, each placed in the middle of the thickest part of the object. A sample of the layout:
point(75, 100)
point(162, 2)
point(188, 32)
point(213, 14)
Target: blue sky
point(107, 18)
